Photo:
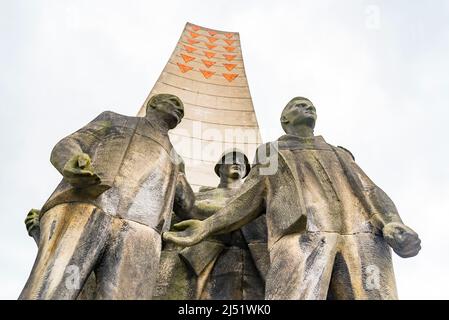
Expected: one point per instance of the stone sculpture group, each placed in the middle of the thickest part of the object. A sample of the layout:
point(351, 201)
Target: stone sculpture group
point(302, 222)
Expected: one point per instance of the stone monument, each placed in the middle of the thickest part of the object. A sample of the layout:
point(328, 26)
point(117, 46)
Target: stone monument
point(206, 71)
point(330, 228)
point(306, 223)
point(226, 267)
point(121, 178)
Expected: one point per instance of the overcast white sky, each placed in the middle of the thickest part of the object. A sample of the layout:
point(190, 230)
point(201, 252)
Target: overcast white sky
point(377, 72)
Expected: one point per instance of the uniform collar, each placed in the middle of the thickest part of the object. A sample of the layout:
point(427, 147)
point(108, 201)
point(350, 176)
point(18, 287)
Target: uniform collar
point(289, 141)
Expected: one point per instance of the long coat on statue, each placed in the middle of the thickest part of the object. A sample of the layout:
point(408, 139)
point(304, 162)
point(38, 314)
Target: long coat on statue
point(323, 215)
point(113, 228)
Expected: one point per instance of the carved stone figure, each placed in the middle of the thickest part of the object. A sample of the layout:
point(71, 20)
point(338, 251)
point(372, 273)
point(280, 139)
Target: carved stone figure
point(329, 226)
point(175, 280)
point(229, 266)
point(120, 182)
point(33, 229)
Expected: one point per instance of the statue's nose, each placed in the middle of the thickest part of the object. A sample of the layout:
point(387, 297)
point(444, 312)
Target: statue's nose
point(311, 109)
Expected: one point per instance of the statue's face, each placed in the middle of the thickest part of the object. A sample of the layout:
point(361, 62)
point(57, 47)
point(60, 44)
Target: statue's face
point(299, 112)
point(172, 108)
point(235, 170)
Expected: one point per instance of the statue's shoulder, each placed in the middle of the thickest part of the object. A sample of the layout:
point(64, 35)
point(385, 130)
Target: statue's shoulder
point(108, 114)
point(206, 189)
point(115, 118)
point(347, 151)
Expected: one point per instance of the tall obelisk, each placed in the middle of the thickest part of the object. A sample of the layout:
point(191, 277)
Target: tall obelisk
point(207, 72)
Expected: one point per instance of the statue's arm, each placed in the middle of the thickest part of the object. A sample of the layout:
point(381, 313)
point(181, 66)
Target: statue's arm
point(32, 224)
point(383, 209)
point(247, 204)
point(184, 197)
point(79, 142)
point(401, 238)
point(202, 211)
point(244, 207)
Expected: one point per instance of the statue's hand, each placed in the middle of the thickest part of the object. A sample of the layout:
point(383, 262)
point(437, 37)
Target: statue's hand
point(189, 232)
point(404, 241)
point(33, 225)
point(32, 220)
point(78, 171)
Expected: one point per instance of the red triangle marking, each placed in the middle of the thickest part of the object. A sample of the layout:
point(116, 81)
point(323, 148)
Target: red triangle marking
point(212, 39)
point(229, 49)
point(192, 41)
point(189, 49)
point(209, 54)
point(230, 76)
point(208, 63)
point(183, 67)
point(195, 28)
point(194, 35)
point(229, 42)
point(229, 35)
point(229, 66)
point(229, 57)
point(207, 74)
point(212, 33)
point(187, 58)
point(210, 46)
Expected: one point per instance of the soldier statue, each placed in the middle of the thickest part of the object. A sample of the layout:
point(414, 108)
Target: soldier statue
point(230, 266)
point(330, 228)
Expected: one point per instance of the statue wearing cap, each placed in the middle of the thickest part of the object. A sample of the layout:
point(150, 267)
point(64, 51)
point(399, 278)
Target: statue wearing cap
point(330, 228)
point(121, 181)
point(229, 266)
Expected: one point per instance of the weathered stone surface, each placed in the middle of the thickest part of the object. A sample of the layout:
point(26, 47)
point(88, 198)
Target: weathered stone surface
point(32, 224)
point(175, 280)
point(199, 256)
point(233, 276)
point(227, 266)
point(121, 177)
point(329, 225)
point(255, 234)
